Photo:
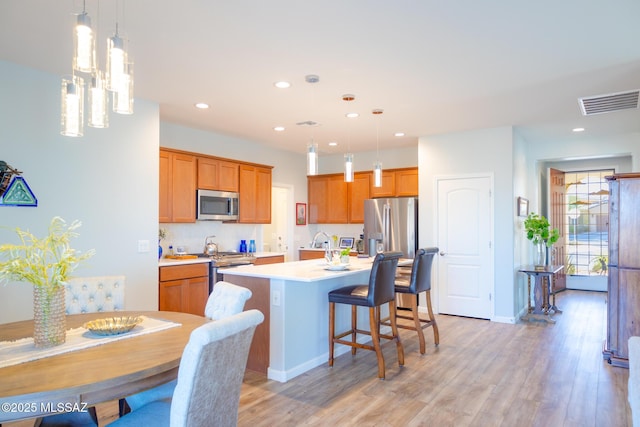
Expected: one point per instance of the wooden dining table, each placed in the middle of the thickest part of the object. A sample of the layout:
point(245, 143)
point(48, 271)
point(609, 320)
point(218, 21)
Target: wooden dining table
point(86, 377)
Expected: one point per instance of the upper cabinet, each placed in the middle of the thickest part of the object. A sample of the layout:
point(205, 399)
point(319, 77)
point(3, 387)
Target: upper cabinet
point(255, 194)
point(182, 173)
point(333, 201)
point(215, 174)
point(327, 198)
point(397, 183)
point(177, 187)
point(359, 191)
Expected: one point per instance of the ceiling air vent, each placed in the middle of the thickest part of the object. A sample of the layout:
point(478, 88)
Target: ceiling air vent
point(607, 103)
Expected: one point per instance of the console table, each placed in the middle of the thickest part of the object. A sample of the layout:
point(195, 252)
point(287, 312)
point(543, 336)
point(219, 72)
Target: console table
point(542, 309)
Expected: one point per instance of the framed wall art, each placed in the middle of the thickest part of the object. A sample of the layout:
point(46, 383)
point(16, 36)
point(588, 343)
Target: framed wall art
point(301, 214)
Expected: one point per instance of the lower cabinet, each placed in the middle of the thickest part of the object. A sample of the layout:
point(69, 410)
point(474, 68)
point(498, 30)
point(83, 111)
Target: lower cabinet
point(275, 259)
point(184, 288)
point(310, 254)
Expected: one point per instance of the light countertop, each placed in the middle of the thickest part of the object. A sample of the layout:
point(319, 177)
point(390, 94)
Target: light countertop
point(303, 271)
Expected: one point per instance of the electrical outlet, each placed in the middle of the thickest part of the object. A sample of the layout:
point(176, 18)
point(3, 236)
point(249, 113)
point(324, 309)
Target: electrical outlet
point(143, 246)
point(275, 298)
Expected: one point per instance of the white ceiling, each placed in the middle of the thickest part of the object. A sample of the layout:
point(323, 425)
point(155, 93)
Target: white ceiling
point(433, 66)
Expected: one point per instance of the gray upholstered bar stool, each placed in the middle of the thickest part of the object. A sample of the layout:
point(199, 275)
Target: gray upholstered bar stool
point(379, 291)
point(418, 282)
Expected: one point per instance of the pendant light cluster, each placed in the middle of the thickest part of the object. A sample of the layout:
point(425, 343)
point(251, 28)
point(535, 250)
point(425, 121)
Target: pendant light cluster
point(312, 146)
point(116, 79)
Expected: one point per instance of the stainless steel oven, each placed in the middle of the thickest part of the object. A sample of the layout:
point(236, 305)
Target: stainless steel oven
point(224, 260)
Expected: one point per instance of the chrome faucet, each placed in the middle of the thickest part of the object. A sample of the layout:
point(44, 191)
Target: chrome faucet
point(327, 241)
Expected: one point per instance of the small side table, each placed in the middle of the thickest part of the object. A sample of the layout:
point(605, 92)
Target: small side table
point(541, 309)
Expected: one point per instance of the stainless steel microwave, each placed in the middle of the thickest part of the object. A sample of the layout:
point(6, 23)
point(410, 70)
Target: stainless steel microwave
point(217, 205)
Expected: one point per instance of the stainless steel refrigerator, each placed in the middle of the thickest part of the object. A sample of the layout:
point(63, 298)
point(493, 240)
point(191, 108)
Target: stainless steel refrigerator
point(393, 222)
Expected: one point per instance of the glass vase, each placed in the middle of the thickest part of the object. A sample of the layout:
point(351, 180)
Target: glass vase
point(49, 317)
point(540, 254)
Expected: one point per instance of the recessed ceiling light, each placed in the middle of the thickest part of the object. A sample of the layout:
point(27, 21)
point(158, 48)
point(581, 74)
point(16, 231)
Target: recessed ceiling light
point(278, 128)
point(352, 115)
point(282, 85)
point(398, 134)
point(202, 105)
point(333, 144)
point(578, 129)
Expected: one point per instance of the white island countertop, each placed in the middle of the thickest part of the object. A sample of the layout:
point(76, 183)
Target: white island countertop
point(311, 270)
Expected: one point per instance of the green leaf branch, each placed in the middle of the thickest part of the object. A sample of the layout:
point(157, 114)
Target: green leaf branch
point(539, 230)
point(45, 262)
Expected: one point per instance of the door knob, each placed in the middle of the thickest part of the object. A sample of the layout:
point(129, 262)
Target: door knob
point(442, 253)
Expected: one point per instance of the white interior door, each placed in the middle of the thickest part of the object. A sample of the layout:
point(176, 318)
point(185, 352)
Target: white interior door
point(464, 224)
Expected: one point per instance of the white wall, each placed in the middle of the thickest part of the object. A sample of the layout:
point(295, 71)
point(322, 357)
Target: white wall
point(106, 179)
point(487, 151)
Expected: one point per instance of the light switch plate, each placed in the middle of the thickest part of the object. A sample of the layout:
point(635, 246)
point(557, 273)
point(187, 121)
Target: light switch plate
point(143, 246)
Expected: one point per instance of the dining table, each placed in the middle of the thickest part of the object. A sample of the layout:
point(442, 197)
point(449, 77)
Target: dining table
point(82, 378)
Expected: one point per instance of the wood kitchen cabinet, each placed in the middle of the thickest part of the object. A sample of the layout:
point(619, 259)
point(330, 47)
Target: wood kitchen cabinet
point(623, 303)
point(255, 194)
point(271, 259)
point(177, 201)
point(397, 183)
point(184, 288)
point(358, 192)
point(333, 201)
point(217, 174)
point(327, 199)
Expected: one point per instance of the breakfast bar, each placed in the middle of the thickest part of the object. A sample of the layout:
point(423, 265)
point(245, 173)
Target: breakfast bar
point(298, 310)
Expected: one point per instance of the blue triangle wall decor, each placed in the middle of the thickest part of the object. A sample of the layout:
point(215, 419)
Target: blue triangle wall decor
point(19, 194)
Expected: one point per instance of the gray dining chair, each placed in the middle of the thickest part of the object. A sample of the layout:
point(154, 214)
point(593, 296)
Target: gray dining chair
point(225, 300)
point(207, 391)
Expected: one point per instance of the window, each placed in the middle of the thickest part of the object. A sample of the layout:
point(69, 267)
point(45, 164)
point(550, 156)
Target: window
point(587, 222)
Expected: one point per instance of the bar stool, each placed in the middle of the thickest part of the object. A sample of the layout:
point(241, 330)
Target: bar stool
point(380, 290)
point(418, 282)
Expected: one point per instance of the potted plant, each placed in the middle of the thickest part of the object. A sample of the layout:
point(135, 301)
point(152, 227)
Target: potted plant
point(344, 255)
point(540, 233)
point(45, 263)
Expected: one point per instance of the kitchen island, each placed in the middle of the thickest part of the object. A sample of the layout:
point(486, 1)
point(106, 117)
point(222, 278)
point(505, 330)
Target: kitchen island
point(293, 297)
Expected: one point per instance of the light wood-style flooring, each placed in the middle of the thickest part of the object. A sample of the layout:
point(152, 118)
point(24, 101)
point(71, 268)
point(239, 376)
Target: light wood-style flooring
point(482, 374)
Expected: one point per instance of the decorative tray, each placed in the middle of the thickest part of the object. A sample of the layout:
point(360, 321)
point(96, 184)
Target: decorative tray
point(113, 325)
point(337, 267)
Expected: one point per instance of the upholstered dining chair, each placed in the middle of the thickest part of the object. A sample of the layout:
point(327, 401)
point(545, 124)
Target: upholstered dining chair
point(94, 294)
point(88, 295)
point(226, 299)
point(210, 377)
point(379, 291)
point(418, 282)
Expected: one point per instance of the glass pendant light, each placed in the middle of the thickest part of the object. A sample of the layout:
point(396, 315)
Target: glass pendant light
point(84, 50)
point(348, 167)
point(348, 157)
point(123, 96)
point(72, 106)
point(98, 117)
point(377, 174)
point(116, 61)
point(377, 165)
point(312, 158)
